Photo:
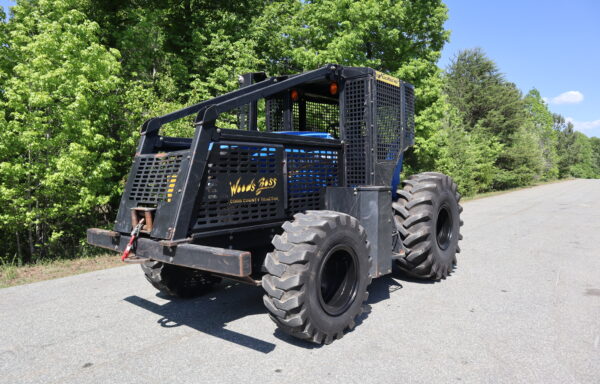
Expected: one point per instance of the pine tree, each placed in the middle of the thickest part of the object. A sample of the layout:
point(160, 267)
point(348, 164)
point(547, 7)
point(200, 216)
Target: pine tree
point(490, 105)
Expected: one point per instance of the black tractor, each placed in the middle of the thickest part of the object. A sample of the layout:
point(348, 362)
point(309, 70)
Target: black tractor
point(293, 183)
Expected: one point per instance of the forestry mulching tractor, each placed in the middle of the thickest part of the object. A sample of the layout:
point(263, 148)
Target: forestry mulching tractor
point(302, 198)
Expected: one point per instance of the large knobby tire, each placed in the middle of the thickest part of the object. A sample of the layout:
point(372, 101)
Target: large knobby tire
point(177, 281)
point(427, 216)
point(318, 276)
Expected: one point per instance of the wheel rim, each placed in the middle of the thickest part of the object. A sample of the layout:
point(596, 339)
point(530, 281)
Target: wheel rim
point(443, 228)
point(337, 281)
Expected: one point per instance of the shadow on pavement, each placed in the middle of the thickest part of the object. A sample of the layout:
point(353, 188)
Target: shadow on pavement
point(379, 290)
point(231, 301)
point(211, 313)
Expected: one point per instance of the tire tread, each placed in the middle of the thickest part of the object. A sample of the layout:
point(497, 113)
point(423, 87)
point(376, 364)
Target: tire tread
point(287, 268)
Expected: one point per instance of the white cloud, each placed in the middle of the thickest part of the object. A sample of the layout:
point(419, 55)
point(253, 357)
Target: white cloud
point(569, 97)
point(584, 125)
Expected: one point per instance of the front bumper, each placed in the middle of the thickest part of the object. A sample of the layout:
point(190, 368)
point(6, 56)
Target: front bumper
point(217, 260)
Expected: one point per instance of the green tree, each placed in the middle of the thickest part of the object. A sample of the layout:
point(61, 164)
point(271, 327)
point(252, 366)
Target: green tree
point(582, 166)
point(522, 161)
point(565, 146)
point(61, 146)
point(490, 105)
point(4, 51)
point(403, 38)
point(543, 123)
point(477, 88)
point(595, 143)
point(7, 58)
point(576, 152)
point(197, 48)
point(70, 107)
point(387, 35)
point(165, 45)
point(467, 156)
point(175, 53)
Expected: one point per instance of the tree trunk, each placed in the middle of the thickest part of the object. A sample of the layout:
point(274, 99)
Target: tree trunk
point(19, 253)
point(27, 257)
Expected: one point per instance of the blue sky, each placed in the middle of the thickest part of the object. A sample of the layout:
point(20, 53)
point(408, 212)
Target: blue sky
point(5, 4)
point(552, 45)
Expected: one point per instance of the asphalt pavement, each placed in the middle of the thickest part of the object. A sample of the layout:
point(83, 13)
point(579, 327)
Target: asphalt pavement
point(523, 306)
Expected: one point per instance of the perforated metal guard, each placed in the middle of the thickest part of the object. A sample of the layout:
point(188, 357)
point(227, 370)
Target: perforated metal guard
point(389, 129)
point(274, 114)
point(155, 177)
point(319, 117)
point(309, 172)
point(226, 163)
point(409, 116)
point(221, 213)
point(243, 117)
point(355, 131)
point(241, 159)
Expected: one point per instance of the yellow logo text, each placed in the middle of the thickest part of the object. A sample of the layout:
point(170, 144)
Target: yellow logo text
point(387, 78)
point(264, 183)
point(238, 187)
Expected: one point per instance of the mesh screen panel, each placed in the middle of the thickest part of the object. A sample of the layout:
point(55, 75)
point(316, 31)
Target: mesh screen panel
point(274, 114)
point(220, 212)
point(242, 117)
point(309, 172)
point(355, 131)
point(319, 117)
point(155, 177)
point(241, 159)
point(409, 123)
point(227, 162)
point(389, 129)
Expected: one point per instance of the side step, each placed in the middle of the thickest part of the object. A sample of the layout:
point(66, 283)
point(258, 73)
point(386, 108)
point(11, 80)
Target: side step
point(218, 260)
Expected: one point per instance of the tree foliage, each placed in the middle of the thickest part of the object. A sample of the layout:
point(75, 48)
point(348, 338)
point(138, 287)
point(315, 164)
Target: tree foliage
point(469, 156)
point(534, 144)
point(542, 126)
point(577, 154)
point(79, 77)
point(59, 144)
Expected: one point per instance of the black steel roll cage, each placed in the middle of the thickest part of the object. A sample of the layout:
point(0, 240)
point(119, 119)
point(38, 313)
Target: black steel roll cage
point(205, 131)
point(208, 111)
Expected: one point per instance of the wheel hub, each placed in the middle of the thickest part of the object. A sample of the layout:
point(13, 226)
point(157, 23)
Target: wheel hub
point(338, 280)
point(443, 228)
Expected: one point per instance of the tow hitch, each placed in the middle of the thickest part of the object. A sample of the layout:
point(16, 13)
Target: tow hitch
point(134, 235)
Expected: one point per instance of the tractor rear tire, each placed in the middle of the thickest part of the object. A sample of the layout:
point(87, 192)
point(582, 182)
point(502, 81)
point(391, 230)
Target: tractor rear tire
point(177, 281)
point(427, 216)
point(318, 275)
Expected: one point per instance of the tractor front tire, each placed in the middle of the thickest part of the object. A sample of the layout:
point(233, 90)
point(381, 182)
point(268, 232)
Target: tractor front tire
point(177, 281)
point(318, 275)
point(427, 216)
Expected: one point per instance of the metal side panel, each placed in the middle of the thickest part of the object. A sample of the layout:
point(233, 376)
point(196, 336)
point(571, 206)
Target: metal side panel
point(154, 181)
point(372, 206)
